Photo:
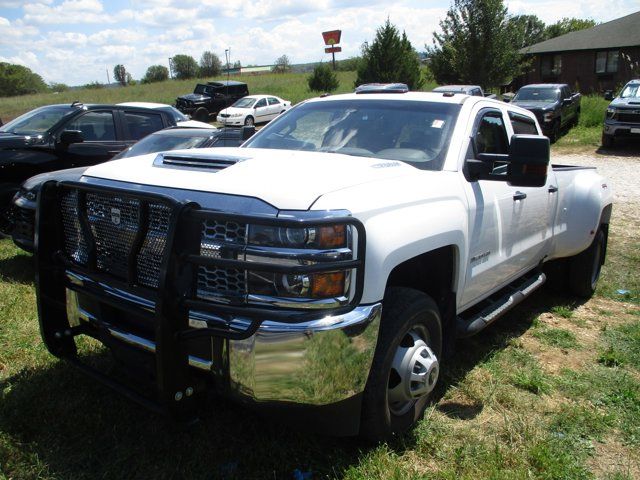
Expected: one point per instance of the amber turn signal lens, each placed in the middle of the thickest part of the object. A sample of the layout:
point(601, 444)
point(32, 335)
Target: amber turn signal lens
point(324, 285)
point(333, 236)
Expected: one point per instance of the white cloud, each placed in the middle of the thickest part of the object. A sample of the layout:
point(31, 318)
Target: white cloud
point(68, 12)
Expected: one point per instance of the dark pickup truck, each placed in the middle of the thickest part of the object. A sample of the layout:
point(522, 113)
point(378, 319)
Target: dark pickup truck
point(553, 104)
point(65, 136)
point(208, 99)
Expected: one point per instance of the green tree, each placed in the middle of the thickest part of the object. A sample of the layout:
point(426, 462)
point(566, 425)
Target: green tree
point(567, 25)
point(349, 64)
point(184, 67)
point(19, 80)
point(527, 30)
point(120, 75)
point(58, 87)
point(390, 58)
point(210, 65)
point(237, 64)
point(282, 65)
point(156, 73)
point(476, 45)
point(323, 79)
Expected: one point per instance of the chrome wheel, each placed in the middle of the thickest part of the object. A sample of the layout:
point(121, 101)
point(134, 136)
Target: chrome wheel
point(414, 372)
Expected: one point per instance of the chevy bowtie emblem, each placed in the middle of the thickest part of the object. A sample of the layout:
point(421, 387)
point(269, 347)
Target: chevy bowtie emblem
point(115, 216)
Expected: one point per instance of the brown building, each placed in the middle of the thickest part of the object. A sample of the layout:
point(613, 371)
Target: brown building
point(596, 59)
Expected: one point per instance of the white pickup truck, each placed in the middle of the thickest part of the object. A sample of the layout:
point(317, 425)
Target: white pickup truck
point(324, 269)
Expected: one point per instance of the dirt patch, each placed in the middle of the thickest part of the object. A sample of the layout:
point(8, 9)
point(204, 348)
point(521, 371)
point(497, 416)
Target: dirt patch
point(611, 457)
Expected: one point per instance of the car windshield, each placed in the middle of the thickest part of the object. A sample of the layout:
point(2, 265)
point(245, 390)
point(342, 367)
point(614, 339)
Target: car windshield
point(176, 114)
point(158, 142)
point(537, 95)
point(414, 132)
point(245, 102)
point(631, 91)
point(37, 121)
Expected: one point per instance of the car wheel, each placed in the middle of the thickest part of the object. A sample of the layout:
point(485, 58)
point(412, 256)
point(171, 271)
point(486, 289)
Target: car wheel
point(555, 132)
point(607, 141)
point(585, 267)
point(405, 367)
point(201, 114)
point(249, 121)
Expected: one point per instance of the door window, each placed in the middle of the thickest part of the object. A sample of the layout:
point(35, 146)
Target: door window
point(95, 126)
point(491, 134)
point(273, 101)
point(141, 124)
point(522, 124)
point(261, 103)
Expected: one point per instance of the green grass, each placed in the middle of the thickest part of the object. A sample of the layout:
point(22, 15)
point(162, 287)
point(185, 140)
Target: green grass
point(556, 337)
point(589, 129)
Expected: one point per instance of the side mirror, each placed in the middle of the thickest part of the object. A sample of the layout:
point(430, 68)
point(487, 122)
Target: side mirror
point(608, 95)
point(247, 132)
point(68, 137)
point(528, 161)
point(525, 165)
point(566, 101)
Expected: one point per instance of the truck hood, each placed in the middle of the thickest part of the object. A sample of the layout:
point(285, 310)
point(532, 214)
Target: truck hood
point(632, 103)
point(10, 140)
point(535, 106)
point(289, 180)
point(194, 97)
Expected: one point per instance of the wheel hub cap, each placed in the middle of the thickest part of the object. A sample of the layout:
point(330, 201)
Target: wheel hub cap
point(414, 373)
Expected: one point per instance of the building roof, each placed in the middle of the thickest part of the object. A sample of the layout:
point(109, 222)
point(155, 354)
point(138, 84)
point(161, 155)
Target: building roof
point(621, 32)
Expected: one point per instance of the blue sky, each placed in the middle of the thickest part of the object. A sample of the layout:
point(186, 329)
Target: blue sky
point(77, 41)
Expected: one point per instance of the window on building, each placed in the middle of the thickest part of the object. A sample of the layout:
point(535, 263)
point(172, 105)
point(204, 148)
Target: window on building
point(551, 65)
point(607, 61)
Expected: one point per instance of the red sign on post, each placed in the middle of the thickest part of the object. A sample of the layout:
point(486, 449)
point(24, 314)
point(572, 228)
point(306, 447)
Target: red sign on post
point(333, 50)
point(332, 37)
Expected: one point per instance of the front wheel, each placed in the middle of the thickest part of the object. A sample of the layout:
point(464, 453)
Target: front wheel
point(249, 122)
point(607, 141)
point(201, 114)
point(405, 367)
point(555, 132)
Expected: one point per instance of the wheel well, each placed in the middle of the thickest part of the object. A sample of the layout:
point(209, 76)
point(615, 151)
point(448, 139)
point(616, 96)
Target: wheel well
point(434, 274)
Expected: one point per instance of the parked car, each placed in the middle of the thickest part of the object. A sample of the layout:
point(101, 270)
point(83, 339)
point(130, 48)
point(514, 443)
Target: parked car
point(173, 138)
point(473, 90)
point(323, 273)
point(181, 119)
point(208, 99)
point(623, 114)
point(253, 109)
point(554, 105)
point(65, 136)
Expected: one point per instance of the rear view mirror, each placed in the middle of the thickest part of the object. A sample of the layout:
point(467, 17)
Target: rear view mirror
point(528, 161)
point(247, 132)
point(71, 136)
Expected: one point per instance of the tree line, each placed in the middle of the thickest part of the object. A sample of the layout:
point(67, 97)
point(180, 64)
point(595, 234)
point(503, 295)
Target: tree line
point(478, 44)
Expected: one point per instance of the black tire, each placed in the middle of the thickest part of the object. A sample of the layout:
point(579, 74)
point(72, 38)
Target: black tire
point(607, 141)
point(405, 311)
point(555, 131)
point(201, 114)
point(584, 268)
point(249, 122)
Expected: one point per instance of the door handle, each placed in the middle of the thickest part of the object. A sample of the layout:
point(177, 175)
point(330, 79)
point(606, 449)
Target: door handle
point(553, 189)
point(519, 196)
point(114, 151)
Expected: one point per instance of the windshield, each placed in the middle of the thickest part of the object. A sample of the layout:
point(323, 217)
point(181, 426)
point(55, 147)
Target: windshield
point(414, 132)
point(176, 114)
point(157, 142)
point(631, 91)
point(36, 121)
point(245, 102)
point(537, 95)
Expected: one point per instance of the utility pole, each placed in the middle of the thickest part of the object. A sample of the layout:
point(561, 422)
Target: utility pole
point(108, 81)
point(170, 68)
point(227, 55)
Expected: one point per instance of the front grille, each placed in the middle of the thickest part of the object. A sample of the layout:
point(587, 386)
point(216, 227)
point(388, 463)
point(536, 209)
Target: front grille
point(25, 220)
point(214, 282)
point(114, 222)
point(628, 117)
point(225, 115)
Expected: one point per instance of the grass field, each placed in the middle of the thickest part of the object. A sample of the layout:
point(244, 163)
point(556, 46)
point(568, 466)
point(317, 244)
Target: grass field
point(552, 391)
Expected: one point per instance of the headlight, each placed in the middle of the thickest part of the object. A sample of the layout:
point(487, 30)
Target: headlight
point(333, 236)
point(611, 112)
point(548, 116)
point(235, 115)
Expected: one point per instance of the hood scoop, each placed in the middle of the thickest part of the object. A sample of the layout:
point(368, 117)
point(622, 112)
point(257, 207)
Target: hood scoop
point(196, 161)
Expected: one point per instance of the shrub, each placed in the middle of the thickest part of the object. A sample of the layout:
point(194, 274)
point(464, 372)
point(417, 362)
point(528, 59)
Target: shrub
point(323, 79)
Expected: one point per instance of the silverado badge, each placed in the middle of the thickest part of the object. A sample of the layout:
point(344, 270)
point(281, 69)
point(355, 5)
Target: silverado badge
point(115, 216)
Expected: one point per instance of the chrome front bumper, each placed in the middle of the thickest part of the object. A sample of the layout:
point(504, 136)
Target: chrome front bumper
point(313, 363)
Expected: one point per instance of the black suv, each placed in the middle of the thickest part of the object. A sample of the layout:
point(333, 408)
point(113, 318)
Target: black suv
point(64, 136)
point(208, 99)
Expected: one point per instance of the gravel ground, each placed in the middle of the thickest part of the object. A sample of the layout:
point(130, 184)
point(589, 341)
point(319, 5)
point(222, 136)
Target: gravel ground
point(622, 172)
